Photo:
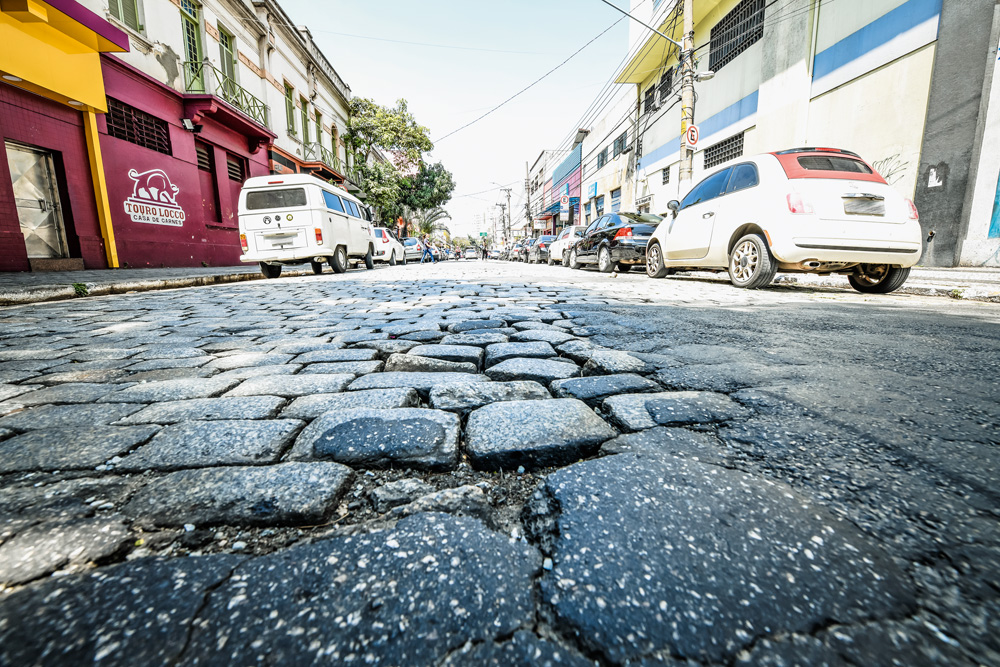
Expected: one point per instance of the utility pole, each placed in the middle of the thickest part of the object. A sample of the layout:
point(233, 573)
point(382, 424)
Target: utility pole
point(687, 97)
point(503, 207)
point(508, 209)
point(527, 196)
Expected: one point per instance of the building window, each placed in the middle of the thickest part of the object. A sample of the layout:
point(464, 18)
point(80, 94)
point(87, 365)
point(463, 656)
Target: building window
point(599, 206)
point(649, 100)
point(290, 108)
point(602, 158)
point(319, 129)
point(724, 151)
point(666, 175)
point(236, 166)
point(191, 26)
point(304, 107)
point(227, 58)
point(137, 127)
point(620, 144)
point(126, 11)
point(616, 200)
point(666, 83)
point(735, 33)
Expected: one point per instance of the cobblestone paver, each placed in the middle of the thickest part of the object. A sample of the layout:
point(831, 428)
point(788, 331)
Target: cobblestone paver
point(460, 465)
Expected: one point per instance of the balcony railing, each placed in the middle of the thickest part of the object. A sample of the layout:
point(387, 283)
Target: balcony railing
point(318, 153)
point(203, 77)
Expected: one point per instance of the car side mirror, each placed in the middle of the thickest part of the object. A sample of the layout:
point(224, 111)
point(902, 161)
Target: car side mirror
point(673, 206)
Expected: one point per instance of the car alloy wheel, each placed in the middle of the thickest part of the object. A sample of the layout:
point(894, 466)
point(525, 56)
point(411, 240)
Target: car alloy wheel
point(877, 278)
point(750, 263)
point(654, 261)
point(604, 264)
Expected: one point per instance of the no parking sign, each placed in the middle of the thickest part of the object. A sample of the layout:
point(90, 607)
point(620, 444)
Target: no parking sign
point(691, 137)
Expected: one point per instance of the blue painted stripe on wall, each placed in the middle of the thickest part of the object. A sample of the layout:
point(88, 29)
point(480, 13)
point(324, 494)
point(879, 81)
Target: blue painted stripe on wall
point(875, 34)
point(568, 165)
point(734, 113)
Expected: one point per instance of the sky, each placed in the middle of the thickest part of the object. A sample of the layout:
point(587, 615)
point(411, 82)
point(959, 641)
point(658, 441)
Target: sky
point(466, 57)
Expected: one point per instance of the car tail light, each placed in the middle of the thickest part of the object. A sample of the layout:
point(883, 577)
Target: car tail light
point(914, 214)
point(243, 242)
point(541, 246)
point(319, 235)
point(624, 233)
point(798, 204)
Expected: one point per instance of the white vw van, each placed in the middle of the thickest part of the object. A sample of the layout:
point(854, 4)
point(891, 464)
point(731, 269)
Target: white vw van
point(297, 218)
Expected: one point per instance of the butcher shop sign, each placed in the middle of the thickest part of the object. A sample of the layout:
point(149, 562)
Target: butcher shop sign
point(154, 199)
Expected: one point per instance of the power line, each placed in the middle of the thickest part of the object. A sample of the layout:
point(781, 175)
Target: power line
point(533, 83)
point(438, 46)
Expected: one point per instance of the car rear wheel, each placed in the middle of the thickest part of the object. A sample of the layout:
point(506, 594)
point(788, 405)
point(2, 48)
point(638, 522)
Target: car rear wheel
point(878, 278)
point(604, 264)
point(654, 261)
point(339, 260)
point(551, 261)
point(270, 270)
point(370, 259)
point(750, 263)
point(317, 267)
point(574, 263)
point(392, 258)
point(565, 258)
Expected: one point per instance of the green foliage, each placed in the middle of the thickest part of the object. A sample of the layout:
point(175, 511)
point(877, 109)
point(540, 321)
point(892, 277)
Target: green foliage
point(393, 130)
point(429, 188)
point(80, 289)
point(431, 221)
point(382, 184)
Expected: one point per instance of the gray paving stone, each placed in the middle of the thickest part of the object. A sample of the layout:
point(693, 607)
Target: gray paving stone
point(171, 390)
point(725, 377)
point(358, 336)
point(309, 407)
point(636, 412)
point(424, 336)
point(499, 352)
point(400, 492)
point(542, 371)
point(352, 367)
point(84, 392)
point(136, 613)
point(301, 347)
point(578, 350)
point(593, 389)
point(326, 356)
point(70, 448)
point(259, 371)
point(462, 397)
point(161, 364)
point(408, 363)
point(409, 328)
point(546, 335)
point(214, 443)
point(250, 360)
point(282, 494)
point(448, 580)
point(462, 353)
point(241, 407)
point(57, 416)
point(476, 338)
point(422, 382)
point(474, 325)
point(9, 378)
point(533, 434)
point(363, 437)
point(662, 441)
point(81, 376)
point(386, 347)
point(12, 390)
point(468, 500)
point(173, 374)
point(46, 547)
point(612, 362)
point(529, 324)
point(524, 649)
point(751, 554)
point(293, 386)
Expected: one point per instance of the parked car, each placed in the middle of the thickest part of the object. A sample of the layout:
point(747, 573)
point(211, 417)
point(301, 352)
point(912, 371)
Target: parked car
point(387, 247)
point(539, 250)
point(615, 240)
point(817, 210)
point(514, 254)
point(559, 249)
point(471, 253)
point(298, 218)
point(495, 253)
point(412, 249)
point(522, 255)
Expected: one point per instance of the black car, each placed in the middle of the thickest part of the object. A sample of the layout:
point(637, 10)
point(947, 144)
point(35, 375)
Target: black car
point(539, 251)
point(525, 249)
point(615, 240)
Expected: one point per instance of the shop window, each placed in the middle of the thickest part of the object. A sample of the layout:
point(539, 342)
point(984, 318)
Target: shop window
point(620, 144)
point(290, 109)
point(735, 33)
point(304, 106)
point(602, 158)
point(666, 83)
point(724, 151)
point(126, 11)
point(137, 127)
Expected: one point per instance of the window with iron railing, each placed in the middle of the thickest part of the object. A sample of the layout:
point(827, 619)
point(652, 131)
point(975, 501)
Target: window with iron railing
point(602, 158)
point(319, 129)
point(137, 127)
point(649, 100)
point(724, 151)
point(666, 175)
point(126, 11)
point(227, 58)
point(304, 106)
point(735, 33)
point(620, 144)
point(666, 83)
point(290, 109)
point(191, 28)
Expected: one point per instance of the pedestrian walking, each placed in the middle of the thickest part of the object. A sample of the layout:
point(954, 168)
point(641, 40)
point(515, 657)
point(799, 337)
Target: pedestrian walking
point(427, 250)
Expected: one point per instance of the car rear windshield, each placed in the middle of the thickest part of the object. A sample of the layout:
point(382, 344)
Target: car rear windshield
point(546, 239)
point(284, 198)
point(409, 241)
point(833, 163)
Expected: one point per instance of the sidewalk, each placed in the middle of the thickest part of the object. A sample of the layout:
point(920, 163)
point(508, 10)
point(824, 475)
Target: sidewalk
point(975, 284)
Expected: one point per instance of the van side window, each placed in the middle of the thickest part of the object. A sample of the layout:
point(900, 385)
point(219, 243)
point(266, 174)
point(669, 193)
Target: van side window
point(353, 208)
point(333, 201)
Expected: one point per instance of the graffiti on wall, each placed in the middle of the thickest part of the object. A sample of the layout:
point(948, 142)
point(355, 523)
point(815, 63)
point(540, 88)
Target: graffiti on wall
point(994, 232)
point(154, 199)
point(891, 168)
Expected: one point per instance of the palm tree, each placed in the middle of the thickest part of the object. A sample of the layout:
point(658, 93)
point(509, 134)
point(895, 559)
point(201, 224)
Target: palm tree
point(431, 221)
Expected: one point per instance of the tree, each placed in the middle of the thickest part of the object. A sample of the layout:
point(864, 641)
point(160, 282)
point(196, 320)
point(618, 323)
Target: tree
point(429, 188)
point(431, 221)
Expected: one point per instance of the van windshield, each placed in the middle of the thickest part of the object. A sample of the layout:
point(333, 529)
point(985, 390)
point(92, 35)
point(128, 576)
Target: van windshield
point(284, 198)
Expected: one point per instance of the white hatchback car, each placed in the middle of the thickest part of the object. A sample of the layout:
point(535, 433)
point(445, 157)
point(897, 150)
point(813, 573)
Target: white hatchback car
point(816, 210)
point(559, 249)
point(387, 247)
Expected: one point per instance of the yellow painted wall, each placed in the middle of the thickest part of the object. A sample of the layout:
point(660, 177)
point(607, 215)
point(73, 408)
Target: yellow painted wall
point(887, 107)
point(51, 63)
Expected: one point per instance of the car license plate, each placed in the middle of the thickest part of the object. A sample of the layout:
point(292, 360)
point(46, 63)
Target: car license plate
point(858, 206)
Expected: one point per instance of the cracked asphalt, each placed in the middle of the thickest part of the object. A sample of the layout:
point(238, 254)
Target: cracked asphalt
point(492, 463)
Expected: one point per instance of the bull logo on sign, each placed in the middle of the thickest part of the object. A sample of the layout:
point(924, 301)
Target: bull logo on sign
point(153, 186)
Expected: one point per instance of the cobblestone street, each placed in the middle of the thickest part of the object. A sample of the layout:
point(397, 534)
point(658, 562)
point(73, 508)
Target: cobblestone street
point(496, 463)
